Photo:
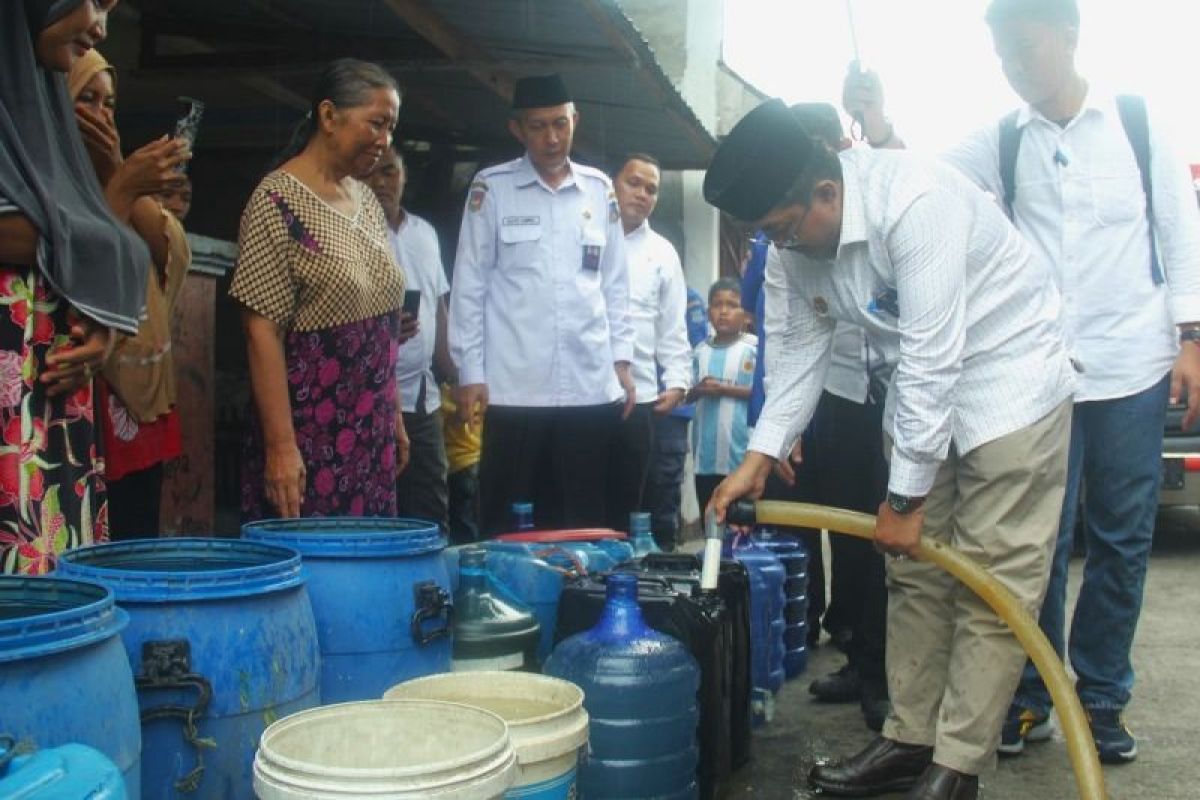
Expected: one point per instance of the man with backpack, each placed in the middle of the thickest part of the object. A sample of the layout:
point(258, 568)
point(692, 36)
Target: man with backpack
point(1091, 183)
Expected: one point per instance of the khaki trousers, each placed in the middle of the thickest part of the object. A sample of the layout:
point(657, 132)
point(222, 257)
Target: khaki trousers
point(952, 663)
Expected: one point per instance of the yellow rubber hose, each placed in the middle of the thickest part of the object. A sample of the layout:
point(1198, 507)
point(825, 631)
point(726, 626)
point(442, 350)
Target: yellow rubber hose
point(1080, 745)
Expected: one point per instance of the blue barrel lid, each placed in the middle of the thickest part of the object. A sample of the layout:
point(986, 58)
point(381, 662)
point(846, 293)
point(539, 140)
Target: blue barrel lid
point(42, 616)
point(170, 570)
point(350, 537)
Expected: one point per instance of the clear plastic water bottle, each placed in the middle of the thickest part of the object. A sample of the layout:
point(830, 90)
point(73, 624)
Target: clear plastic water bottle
point(640, 535)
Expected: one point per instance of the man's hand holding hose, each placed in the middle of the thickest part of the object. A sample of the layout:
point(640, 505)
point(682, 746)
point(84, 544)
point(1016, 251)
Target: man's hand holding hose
point(748, 481)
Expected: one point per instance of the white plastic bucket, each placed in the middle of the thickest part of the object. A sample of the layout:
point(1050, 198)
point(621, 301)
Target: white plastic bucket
point(545, 717)
point(386, 750)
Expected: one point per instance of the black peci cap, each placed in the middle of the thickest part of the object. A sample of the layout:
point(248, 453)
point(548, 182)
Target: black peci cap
point(540, 91)
point(757, 163)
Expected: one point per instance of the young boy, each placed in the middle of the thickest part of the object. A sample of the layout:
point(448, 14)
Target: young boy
point(722, 374)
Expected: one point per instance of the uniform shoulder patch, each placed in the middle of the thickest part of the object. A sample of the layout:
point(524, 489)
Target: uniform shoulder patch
point(614, 211)
point(478, 192)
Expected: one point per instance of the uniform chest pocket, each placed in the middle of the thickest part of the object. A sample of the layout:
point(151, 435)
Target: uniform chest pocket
point(520, 233)
point(520, 240)
point(1117, 199)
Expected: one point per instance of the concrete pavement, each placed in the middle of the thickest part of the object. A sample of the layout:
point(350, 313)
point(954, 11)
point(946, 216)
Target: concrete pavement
point(1165, 713)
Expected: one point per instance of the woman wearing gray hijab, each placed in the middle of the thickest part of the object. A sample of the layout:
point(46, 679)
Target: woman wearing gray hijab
point(69, 272)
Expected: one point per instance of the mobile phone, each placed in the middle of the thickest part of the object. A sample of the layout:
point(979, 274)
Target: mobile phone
point(412, 303)
point(188, 124)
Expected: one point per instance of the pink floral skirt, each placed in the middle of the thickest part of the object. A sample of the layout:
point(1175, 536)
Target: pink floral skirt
point(51, 493)
point(342, 386)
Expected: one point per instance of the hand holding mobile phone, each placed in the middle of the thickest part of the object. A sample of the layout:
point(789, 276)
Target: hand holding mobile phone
point(412, 303)
point(188, 124)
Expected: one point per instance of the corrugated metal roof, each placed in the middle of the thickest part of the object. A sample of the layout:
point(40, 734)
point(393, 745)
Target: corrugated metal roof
point(455, 58)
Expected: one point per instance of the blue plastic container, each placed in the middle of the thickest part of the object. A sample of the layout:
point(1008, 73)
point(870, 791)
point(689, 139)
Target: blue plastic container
point(794, 556)
point(60, 773)
point(640, 691)
point(221, 636)
point(64, 677)
point(381, 596)
point(529, 581)
point(640, 536)
point(766, 620)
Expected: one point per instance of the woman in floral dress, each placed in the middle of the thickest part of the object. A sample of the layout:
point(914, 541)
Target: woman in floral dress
point(69, 272)
point(321, 294)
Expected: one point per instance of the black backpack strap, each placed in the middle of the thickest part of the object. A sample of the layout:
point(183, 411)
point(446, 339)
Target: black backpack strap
point(1010, 145)
point(1132, 110)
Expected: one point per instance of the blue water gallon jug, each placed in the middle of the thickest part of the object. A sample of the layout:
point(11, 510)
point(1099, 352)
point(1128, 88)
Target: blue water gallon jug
point(222, 642)
point(640, 692)
point(64, 676)
point(767, 578)
point(793, 555)
point(380, 594)
point(640, 535)
point(59, 773)
point(491, 631)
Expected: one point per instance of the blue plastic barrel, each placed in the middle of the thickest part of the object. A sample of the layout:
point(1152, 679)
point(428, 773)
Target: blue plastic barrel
point(639, 690)
point(381, 596)
point(222, 642)
point(64, 676)
point(766, 620)
point(60, 773)
point(794, 556)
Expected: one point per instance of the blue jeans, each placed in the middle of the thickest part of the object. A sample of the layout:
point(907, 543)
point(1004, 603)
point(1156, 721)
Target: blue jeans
point(1116, 452)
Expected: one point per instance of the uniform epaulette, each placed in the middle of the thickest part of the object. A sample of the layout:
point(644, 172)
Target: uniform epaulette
point(592, 172)
point(498, 169)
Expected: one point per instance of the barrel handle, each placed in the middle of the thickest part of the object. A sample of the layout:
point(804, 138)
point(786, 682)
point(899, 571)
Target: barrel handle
point(168, 665)
point(431, 601)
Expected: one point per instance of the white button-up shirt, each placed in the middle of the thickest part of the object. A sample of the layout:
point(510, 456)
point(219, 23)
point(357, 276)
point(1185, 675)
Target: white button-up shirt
point(418, 253)
point(946, 289)
point(1084, 212)
point(658, 310)
point(847, 376)
point(539, 308)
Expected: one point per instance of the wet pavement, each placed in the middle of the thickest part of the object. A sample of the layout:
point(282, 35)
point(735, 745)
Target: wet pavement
point(1164, 714)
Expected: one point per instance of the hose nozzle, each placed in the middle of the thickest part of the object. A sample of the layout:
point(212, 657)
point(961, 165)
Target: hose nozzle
point(742, 512)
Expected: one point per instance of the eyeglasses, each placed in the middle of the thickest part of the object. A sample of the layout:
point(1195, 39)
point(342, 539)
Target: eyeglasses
point(788, 238)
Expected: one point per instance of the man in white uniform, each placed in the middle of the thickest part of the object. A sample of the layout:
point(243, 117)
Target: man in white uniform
point(977, 415)
point(539, 321)
point(421, 489)
point(657, 307)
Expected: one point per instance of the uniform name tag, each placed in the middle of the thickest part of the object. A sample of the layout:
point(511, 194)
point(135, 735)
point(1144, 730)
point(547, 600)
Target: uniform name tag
point(521, 221)
point(591, 256)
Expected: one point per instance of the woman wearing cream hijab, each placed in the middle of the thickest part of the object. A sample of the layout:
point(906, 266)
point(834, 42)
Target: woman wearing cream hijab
point(135, 394)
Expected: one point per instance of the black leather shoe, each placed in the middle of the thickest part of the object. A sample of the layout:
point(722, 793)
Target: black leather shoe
point(843, 686)
point(875, 704)
point(883, 766)
point(943, 783)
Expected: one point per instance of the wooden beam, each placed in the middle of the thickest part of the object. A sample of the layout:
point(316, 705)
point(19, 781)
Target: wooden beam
point(437, 30)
